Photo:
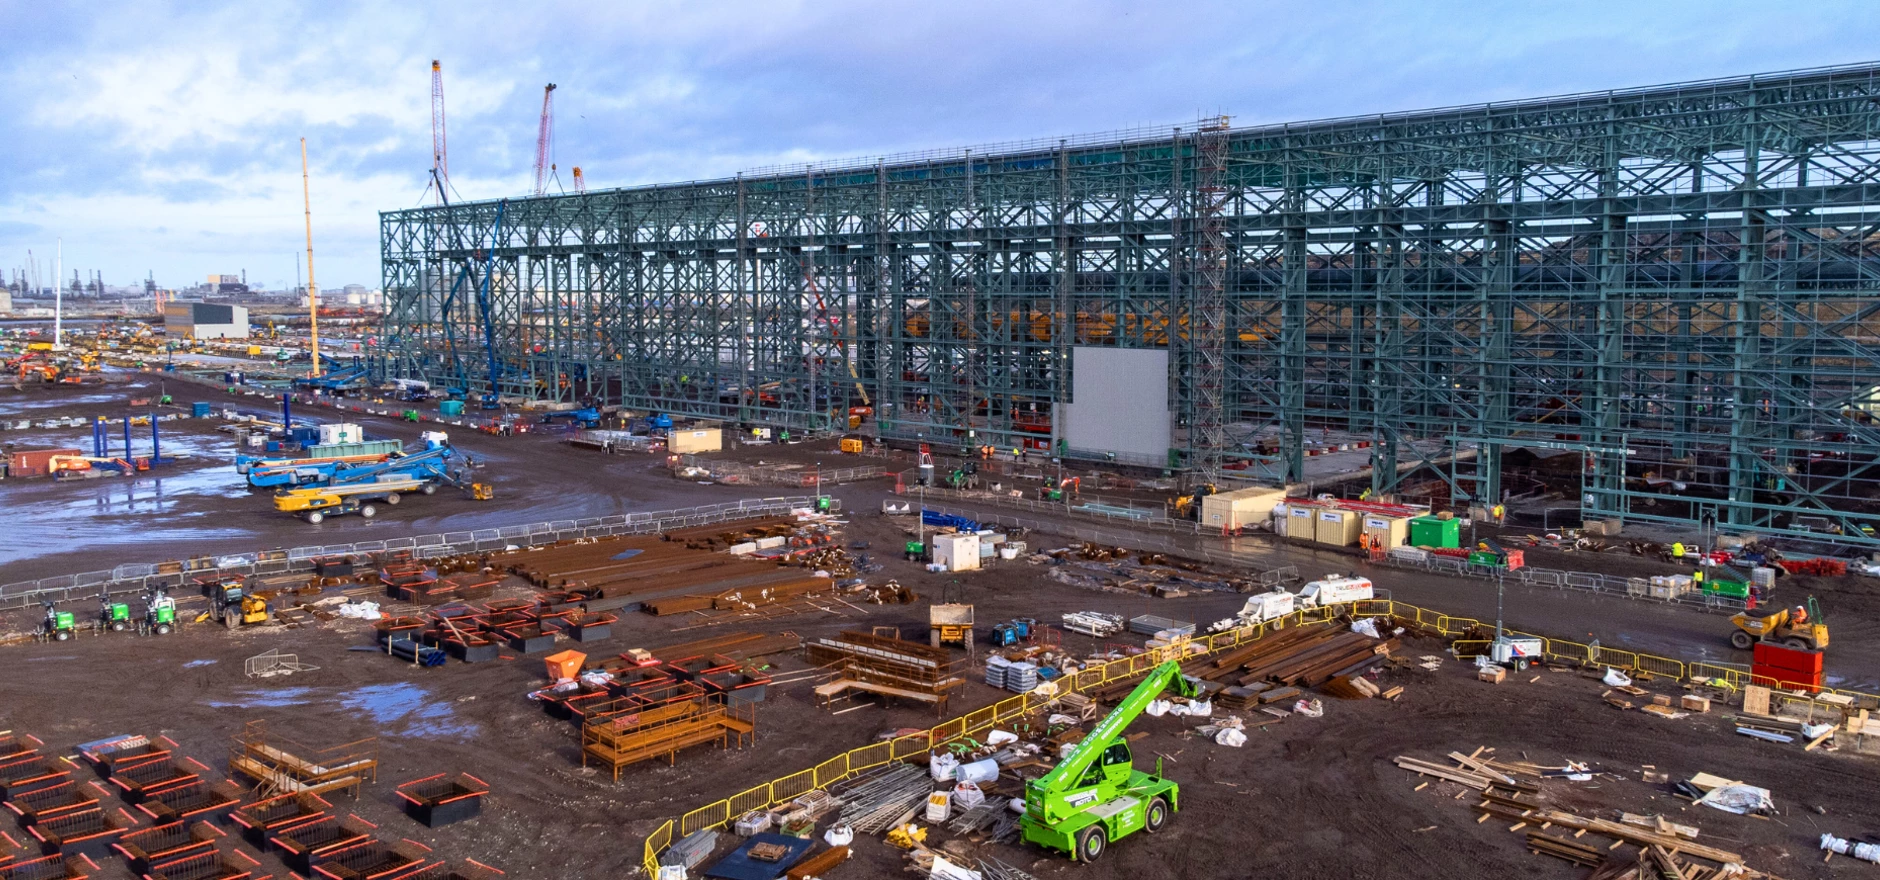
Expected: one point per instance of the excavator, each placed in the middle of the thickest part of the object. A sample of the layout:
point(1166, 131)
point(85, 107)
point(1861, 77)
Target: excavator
point(1798, 627)
point(1096, 794)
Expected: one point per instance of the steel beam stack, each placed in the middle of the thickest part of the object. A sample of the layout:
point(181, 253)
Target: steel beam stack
point(1679, 285)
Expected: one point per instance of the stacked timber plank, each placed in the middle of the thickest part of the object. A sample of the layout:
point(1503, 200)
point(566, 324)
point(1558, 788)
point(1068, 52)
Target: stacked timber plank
point(661, 577)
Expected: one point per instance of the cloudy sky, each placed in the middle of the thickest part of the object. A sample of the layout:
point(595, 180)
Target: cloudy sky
point(164, 138)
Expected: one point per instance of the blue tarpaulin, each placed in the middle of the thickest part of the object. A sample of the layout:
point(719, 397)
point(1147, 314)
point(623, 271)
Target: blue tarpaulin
point(740, 866)
point(947, 520)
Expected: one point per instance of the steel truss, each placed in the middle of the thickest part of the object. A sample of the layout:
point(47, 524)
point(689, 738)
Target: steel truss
point(1680, 283)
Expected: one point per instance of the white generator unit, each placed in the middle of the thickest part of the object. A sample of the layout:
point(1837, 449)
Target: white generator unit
point(344, 432)
point(1334, 589)
point(1266, 606)
point(956, 552)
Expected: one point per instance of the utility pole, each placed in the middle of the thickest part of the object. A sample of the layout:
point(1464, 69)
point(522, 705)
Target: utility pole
point(313, 288)
point(58, 297)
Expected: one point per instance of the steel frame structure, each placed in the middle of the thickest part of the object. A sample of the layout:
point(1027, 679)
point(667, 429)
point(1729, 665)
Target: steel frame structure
point(1679, 283)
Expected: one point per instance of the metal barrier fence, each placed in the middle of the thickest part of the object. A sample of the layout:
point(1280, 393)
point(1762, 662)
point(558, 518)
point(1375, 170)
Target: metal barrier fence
point(134, 578)
point(1141, 517)
point(1638, 589)
point(734, 473)
point(855, 761)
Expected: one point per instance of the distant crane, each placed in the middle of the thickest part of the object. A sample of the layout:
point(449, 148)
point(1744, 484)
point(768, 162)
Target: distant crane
point(580, 183)
point(440, 162)
point(543, 136)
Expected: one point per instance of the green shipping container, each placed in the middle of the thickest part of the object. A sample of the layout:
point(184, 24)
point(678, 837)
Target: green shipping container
point(450, 408)
point(1428, 531)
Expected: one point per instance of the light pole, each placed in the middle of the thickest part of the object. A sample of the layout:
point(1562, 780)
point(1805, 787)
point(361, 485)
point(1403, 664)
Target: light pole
point(819, 503)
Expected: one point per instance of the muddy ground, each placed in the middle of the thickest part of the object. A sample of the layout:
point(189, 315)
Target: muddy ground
point(1305, 798)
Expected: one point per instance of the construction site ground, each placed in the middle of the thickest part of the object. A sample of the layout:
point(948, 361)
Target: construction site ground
point(1304, 798)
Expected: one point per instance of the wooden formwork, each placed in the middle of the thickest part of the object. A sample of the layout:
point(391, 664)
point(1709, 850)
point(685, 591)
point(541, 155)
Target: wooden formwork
point(661, 731)
point(281, 766)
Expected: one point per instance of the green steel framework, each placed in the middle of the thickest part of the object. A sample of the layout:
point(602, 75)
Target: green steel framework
point(1680, 283)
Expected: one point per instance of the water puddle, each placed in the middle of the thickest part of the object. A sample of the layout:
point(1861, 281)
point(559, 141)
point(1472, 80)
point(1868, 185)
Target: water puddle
point(400, 707)
point(195, 663)
point(254, 699)
point(627, 554)
point(401, 702)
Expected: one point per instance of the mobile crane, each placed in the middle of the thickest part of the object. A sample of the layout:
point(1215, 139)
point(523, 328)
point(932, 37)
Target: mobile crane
point(1096, 794)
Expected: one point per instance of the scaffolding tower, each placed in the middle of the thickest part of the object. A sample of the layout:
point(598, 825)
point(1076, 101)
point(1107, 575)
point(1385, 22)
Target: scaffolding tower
point(1676, 286)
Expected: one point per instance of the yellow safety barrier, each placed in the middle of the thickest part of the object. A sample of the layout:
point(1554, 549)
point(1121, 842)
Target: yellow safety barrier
point(860, 760)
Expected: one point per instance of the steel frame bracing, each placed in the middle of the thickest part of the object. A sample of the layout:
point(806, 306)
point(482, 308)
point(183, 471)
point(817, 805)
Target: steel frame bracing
point(1678, 283)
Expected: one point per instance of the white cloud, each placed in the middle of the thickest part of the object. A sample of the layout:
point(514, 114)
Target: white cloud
point(135, 118)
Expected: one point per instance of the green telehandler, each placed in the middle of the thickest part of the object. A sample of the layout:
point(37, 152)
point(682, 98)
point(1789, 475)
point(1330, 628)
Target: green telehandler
point(1096, 795)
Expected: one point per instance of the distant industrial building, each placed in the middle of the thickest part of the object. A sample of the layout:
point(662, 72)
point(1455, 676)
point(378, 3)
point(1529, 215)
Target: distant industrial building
point(198, 320)
point(6, 301)
point(228, 285)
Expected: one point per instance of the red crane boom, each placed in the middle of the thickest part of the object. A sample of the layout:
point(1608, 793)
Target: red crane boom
point(542, 137)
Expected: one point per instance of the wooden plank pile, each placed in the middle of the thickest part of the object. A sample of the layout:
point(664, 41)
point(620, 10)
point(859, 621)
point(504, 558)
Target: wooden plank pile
point(1660, 849)
point(661, 577)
